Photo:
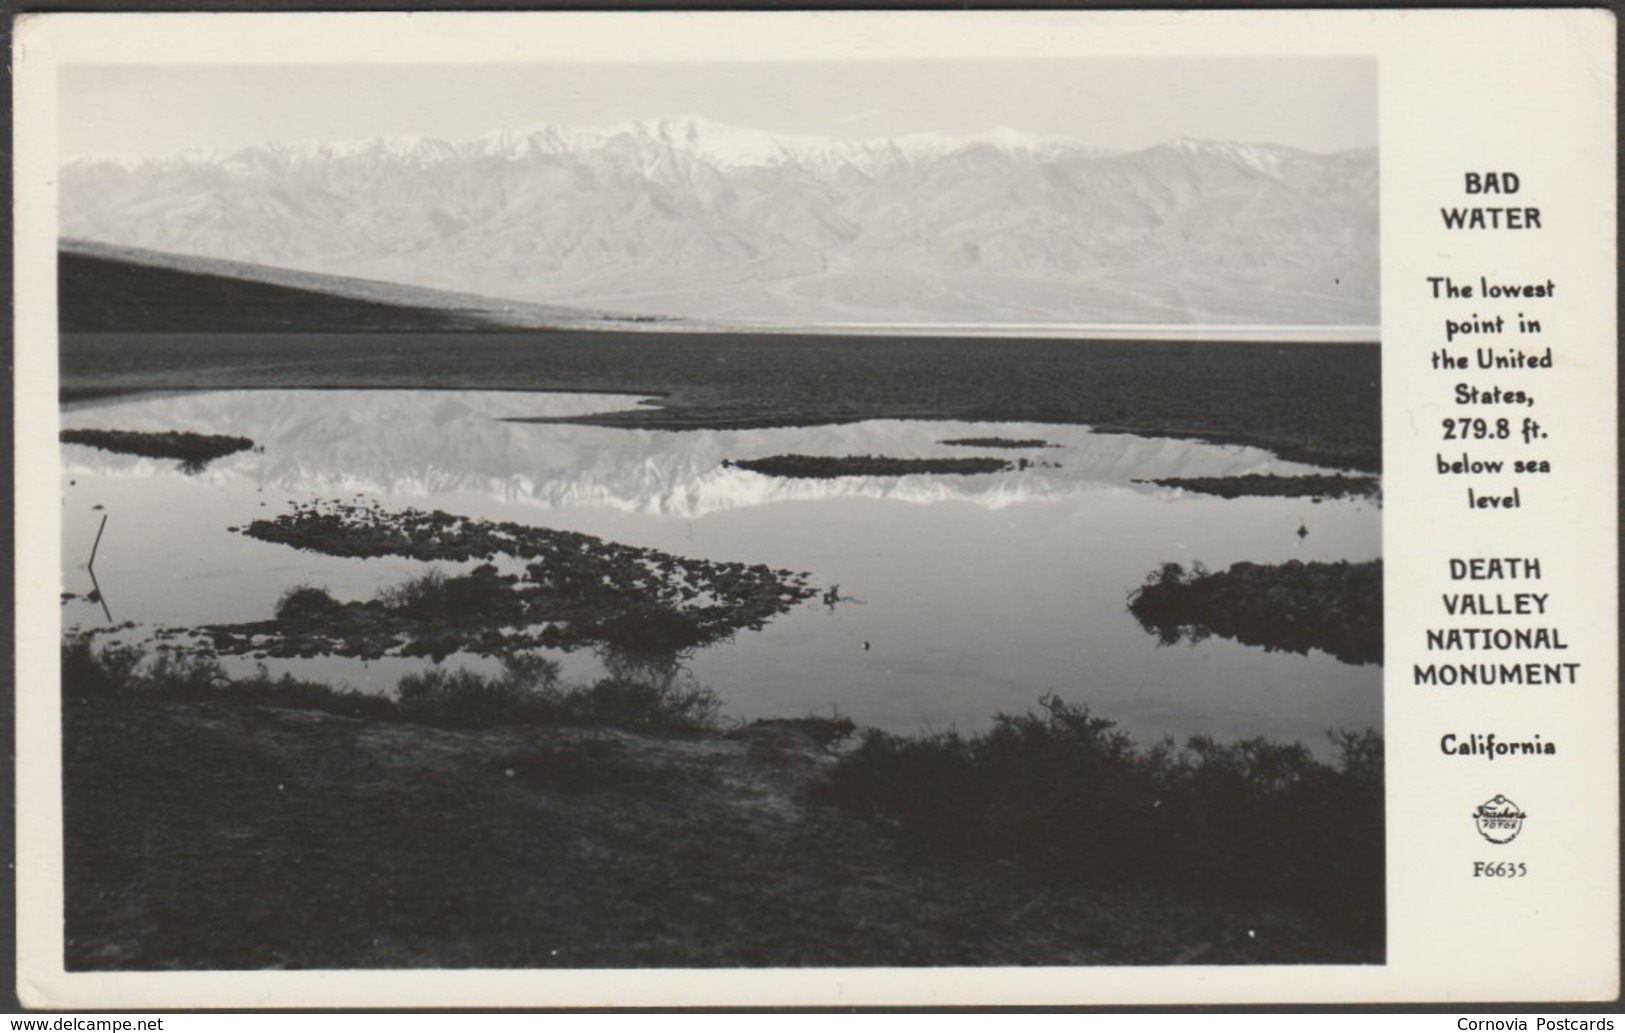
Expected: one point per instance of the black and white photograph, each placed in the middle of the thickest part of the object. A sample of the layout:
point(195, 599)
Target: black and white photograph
point(815, 509)
point(634, 515)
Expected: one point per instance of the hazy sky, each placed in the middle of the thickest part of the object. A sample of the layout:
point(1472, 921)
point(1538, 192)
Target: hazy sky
point(1318, 104)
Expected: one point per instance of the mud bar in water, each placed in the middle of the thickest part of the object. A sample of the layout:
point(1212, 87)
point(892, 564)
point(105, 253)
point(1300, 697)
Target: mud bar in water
point(575, 590)
point(868, 466)
point(1293, 606)
point(195, 451)
point(1315, 486)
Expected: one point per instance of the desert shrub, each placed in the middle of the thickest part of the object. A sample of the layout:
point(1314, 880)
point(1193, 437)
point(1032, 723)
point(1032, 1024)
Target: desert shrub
point(917, 783)
point(452, 606)
point(88, 672)
point(178, 674)
point(1169, 573)
point(640, 706)
point(1064, 795)
point(296, 693)
point(1359, 755)
point(423, 596)
point(306, 604)
point(531, 669)
point(123, 669)
point(526, 692)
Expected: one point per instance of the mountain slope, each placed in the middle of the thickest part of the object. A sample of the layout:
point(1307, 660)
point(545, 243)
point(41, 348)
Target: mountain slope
point(110, 289)
point(687, 217)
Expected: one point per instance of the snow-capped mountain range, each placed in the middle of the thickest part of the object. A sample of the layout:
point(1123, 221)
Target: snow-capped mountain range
point(687, 217)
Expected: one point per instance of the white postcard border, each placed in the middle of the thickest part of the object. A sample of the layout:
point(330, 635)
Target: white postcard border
point(1460, 90)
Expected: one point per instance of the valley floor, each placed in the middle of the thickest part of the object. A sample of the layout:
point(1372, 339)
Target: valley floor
point(1311, 403)
point(235, 835)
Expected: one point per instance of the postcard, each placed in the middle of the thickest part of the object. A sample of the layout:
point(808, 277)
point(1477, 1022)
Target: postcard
point(547, 509)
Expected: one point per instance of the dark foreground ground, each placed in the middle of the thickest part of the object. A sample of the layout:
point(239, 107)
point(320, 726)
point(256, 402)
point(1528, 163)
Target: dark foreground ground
point(225, 834)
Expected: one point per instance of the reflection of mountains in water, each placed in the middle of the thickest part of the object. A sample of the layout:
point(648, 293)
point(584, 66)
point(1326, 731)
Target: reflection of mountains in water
point(415, 444)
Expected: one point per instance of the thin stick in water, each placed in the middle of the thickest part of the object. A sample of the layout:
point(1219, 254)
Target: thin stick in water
point(97, 544)
point(98, 596)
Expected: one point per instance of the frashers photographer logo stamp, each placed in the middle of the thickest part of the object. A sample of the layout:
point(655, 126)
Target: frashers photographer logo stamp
point(1499, 820)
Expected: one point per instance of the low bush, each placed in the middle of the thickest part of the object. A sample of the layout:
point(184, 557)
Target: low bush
point(526, 691)
point(296, 693)
point(88, 672)
point(427, 597)
point(640, 706)
point(1066, 796)
point(122, 669)
point(305, 603)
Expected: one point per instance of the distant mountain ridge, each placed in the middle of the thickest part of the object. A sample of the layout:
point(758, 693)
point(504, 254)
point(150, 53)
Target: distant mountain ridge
point(714, 143)
point(691, 218)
